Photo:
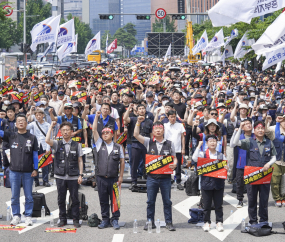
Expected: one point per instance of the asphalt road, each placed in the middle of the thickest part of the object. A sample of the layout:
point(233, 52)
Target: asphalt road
point(133, 206)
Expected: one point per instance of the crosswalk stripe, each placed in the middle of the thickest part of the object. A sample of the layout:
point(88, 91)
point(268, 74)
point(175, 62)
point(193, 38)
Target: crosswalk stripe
point(118, 238)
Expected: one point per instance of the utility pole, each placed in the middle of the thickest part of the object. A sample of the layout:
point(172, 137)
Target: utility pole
point(164, 25)
point(24, 40)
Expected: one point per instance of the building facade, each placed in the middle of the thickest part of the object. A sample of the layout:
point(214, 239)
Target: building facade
point(74, 7)
point(57, 8)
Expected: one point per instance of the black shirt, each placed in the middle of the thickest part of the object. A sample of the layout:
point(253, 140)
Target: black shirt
point(180, 109)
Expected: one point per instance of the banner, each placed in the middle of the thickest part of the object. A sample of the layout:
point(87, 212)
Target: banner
point(80, 95)
point(45, 31)
point(66, 33)
point(7, 79)
point(116, 203)
point(273, 58)
point(240, 50)
point(60, 230)
point(234, 34)
point(112, 46)
point(37, 96)
point(227, 12)
point(122, 138)
point(6, 90)
point(216, 42)
point(11, 227)
point(278, 67)
point(74, 83)
point(229, 51)
point(158, 164)
point(201, 44)
point(45, 160)
point(106, 44)
point(212, 168)
point(273, 38)
point(255, 176)
point(51, 48)
point(67, 48)
point(168, 52)
point(93, 44)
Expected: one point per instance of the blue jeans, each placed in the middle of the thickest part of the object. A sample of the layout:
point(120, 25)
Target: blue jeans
point(153, 186)
point(27, 181)
point(129, 147)
point(45, 171)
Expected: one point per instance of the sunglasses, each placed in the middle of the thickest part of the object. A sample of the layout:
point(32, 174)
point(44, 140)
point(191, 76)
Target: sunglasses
point(214, 114)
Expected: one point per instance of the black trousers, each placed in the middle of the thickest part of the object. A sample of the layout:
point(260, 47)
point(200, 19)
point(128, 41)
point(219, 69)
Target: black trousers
point(178, 168)
point(137, 154)
point(105, 192)
point(187, 140)
point(72, 186)
point(217, 197)
point(240, 184)
point(252, 192)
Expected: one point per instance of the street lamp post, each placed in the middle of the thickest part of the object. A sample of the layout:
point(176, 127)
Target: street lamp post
point(24, 40)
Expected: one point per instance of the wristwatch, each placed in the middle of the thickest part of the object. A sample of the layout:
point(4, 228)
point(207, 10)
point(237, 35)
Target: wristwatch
point(81, 175)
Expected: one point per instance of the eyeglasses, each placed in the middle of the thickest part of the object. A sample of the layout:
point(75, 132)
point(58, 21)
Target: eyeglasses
point(65, 130)
point(214, 114)
point(106, 132)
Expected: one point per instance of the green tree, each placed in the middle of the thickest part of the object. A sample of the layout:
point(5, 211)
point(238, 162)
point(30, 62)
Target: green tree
point(10, 34)
point(38, 11)
point(84, 33)
point(130, 28)
point(104, 37)
point(125, 39)
point(2, 11)
point(157, 26)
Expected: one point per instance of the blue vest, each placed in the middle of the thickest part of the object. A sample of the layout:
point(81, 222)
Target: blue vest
point(253, 156)
point(279, 147)
point(241, 158)
point(219, 147)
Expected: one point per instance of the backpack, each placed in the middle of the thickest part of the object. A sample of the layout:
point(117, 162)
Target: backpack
point(191, 186)
point(259, 230)
point(93, 220)
point(90, 181)
point(39, 201)
point(197, 215)
point(83, 207)
point(201, 204)
point(7, 178)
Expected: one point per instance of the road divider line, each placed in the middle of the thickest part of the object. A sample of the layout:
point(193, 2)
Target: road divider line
point(118, 238)
point(184, 206)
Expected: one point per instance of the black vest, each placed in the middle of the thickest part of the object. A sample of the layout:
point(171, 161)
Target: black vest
point(211, 183)
point(279, 148)
point(253, 156)
point(21, 155)
point(74, 122)
point(66, 163)
point(165, 150)
point(145, 129)
point(107, 165)
point(230, 130)
point(8, 126)
point(111, 123)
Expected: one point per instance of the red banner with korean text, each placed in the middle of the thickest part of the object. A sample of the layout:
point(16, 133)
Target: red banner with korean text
point(45, 159)
point(158, 164)
point(212, 168)
point(116, 204)
point(256, 176)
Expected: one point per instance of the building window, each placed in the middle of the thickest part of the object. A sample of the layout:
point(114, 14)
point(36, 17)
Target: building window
point(54, 8)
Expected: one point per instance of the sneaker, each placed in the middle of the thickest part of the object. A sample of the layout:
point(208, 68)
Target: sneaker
point(104, 224)
point(283, 203)
point(146, 226)
point(16, 220)
point(37, 183)
point(278, 204)
point(170, 227)
point(240, 204)
point(206, 227)
point(180, 187)
point(46, 184)
point(192, 168)
point(219, 227)
point(76, 224)
point(115, 224)
point(28, 221)
point(62, 223)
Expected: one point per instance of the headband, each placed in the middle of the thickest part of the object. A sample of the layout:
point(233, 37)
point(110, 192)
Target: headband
point(158, 126)
point(259, 125)
point(108, 129)
point(210, 138)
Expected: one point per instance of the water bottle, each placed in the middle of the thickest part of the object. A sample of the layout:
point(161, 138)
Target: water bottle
point(135, 228)
point(231, 217)
point(54, 183)
point(43, 212)
point(175, 185)
point(149, 226)
point(242, 228)
point(158, 226)
point(51, 220)
point(8, 218)
point(34, 187)
point(2, 182)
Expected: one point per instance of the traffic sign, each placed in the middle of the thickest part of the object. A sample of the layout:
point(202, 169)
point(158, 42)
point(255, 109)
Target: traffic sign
point(160, 13)
point(9, 9)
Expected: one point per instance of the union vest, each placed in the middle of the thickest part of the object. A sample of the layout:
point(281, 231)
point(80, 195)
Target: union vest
point(8, 126)
point(100, 126)
point(74, 122)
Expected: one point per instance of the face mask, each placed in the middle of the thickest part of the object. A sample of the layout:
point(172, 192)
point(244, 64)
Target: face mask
point(42, 109)
point(278, 101)
point(262, 96)
point(164, 102)
point(6, 102)
point(48, 85)
point(44, 102)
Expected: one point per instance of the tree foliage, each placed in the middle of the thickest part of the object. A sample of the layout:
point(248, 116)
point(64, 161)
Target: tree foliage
point(2, 11)
point(10, 34)
point(126, 36)
point(104, 37)
point(130, 28)
point(157, 26)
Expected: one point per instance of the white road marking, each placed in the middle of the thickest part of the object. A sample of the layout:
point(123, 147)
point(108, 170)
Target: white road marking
point(184, 206)
point(118, 238)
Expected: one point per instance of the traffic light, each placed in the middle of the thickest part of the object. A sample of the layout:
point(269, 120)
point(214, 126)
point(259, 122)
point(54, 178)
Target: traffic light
point(179, 17)
point(22, 47)
point(143, 17)
point(107, 17)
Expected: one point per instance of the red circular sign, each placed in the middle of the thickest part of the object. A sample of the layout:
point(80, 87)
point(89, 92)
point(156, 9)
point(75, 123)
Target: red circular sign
point(160, 13)
point(9, 9)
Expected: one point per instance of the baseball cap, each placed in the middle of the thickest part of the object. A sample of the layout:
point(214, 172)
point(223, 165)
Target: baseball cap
point(149, 94)
point(243, 106)
point(68, 105)
point(212, 121)
point(60, 93)
point(39, 104)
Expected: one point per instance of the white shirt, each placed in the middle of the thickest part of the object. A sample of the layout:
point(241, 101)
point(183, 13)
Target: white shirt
point(199, 153)
point(173, 133)
point(114, 113)
point(109, 147)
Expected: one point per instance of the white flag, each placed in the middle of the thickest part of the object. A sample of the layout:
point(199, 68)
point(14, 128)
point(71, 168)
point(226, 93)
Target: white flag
point(240, 50)
point(278, 67)
point(168, 53)
point(228, 51)
point(45, 31)
point(107, 44)
point(274, 58)
point(273, 38)
point(93, 44)
point(258, 57)
point(227, 12)
point(234, 34)
point(76, 43)
point(216, 42)
point(67, 48)
point(134, 49)
point(66, 33)
point(223, 59)
point(201, 44)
